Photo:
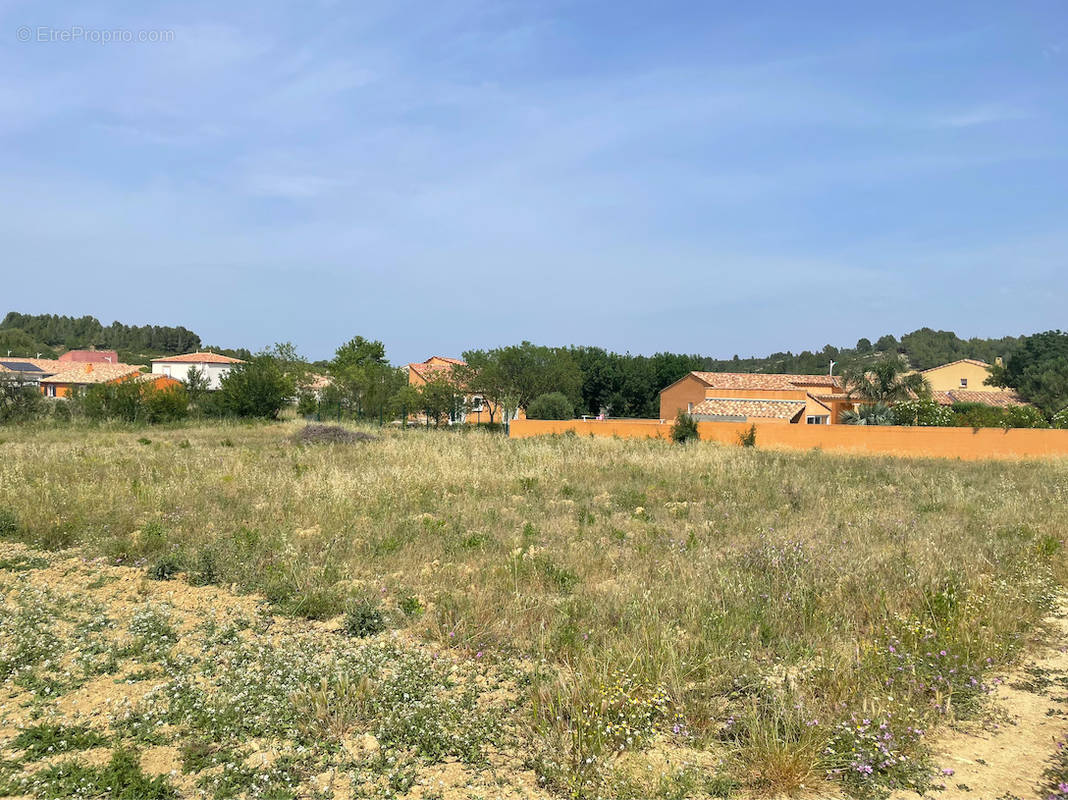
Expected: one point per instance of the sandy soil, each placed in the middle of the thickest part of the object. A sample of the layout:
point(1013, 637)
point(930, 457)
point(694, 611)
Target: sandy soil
point(1005, 755)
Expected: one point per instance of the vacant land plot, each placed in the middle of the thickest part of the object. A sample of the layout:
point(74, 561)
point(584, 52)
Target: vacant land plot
point(459, 615)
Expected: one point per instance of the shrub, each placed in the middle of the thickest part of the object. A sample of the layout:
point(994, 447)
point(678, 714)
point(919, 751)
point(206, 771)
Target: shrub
point(1024, 417)
point(978, 415)
point(204, 571)
point(165, 405)
point(307, 403)
point(747, 438)
point(684, 429)
point(19, 401)
point(922, 412)
point(164, 569)
point(364, 618)
point(1060, 419)
point(9, 523)
point(553, 405)
point(412, 607)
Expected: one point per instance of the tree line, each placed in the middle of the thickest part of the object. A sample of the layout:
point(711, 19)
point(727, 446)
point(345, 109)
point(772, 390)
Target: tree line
point(33, 333)
point(553, 382)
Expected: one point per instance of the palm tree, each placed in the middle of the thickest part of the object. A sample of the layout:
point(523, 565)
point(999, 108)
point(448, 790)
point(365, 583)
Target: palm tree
point(871, 414)
point(886, 381)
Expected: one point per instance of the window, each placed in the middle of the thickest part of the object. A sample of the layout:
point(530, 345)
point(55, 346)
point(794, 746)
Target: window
point(476, 404)
point(167, 370)
point(964, 383)
point(818, 420)
point(689, 408)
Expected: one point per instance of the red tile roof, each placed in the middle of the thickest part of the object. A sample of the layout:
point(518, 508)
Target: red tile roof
point(424, 369)
point(998, 399)
point(744, 407)
point(89, 372)
point(766, 381)
point(198, 358)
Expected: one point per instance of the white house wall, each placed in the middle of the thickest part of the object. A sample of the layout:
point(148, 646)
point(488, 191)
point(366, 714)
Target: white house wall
point(180, 371)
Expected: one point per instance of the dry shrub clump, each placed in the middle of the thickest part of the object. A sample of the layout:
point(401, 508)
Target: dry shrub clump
point(330, 434)
point(773, 620)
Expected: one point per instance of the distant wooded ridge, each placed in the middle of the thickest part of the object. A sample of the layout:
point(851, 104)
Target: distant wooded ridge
point(26, 335)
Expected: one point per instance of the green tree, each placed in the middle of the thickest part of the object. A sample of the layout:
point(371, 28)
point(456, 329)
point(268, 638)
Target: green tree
point(259, 388)
point(19, 401)
point(511, 377)
point(405, 402)
point(17, 343)
point(196, 388)
point(885, 381)
point(440, 399)
point(553, 405)
point(1038, 371)
point(886, 344)
point(363, 379)
point(483, 375)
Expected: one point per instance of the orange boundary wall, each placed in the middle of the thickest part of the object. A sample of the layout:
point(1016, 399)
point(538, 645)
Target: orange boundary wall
point(966, 443)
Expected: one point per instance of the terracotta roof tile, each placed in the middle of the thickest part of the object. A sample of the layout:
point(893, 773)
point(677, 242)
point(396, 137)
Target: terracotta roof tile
point(198, 358)
point(998, 399)
point(424, 370)
point(766, 381)
point(745, 407)
point(89, 372)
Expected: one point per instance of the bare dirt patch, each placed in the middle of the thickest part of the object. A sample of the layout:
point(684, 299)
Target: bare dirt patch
point(1004, 756)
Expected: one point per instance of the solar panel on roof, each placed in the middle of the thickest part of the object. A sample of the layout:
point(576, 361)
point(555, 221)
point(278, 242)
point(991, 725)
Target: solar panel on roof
point(20, 366)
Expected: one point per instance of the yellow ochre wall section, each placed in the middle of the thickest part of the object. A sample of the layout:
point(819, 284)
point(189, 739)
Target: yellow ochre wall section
point(947, 378)
point(680, 394)
point(964, 443)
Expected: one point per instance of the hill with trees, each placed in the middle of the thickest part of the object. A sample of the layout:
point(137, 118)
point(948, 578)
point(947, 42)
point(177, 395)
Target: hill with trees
point(49, 334)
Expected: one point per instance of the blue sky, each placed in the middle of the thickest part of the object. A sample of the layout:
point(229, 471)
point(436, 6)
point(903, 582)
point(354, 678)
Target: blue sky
point(699, 177)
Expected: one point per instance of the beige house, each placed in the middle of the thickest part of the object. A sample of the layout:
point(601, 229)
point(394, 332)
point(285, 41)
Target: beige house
point(963, 381)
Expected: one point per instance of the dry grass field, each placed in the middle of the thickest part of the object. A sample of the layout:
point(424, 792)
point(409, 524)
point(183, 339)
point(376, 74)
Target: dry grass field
point(221, 611)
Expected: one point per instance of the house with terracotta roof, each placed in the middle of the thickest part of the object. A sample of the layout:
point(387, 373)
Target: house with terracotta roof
point(755, 397)
point(30, 370)
point(212, 366)
point(476, 408)
point(423, 371)
point(79, 375)
point(963, 381)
